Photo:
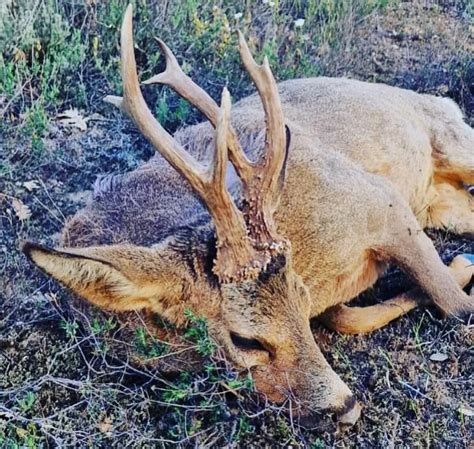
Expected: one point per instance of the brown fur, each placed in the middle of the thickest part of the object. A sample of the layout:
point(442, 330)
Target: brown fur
point(369, 167)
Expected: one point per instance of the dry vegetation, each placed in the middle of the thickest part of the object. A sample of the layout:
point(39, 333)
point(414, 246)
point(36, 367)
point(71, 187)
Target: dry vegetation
point(61, 382)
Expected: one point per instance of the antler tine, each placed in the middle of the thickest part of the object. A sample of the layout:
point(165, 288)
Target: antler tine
point(135, 106)
point(174, 77)
point(236, 258)
point(267, 88)
point(183, 85)
point(219, 165)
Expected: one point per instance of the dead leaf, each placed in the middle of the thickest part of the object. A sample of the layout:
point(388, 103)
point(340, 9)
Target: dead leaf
point(72, 118)
point(31, 185)
point(19, 55)
point(466, 410)
point(96, 116)
point(79, 197)
point(22, 211)
point(105, 426)
point(439, 357)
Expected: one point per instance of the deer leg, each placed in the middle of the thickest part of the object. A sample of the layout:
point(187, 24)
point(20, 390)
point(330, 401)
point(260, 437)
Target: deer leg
point(362, 320)
point(408, 246)
point(452, 208)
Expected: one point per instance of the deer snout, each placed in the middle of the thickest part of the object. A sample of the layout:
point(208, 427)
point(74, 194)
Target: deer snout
point(343, 403)
point(336, 399)
point(346, 415)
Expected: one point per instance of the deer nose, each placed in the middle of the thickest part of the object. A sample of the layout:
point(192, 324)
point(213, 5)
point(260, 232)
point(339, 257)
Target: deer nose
point(349, 413)
point(343, 403)
point(339, 402)
point(346, 416)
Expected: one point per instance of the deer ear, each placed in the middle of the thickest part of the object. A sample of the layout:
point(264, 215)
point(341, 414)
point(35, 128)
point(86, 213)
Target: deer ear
point(118, 277)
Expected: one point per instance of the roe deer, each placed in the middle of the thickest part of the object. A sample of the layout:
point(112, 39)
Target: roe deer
point(288, 230)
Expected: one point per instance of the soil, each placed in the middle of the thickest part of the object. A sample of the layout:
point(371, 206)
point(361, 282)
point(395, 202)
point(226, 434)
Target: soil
point(61, 386)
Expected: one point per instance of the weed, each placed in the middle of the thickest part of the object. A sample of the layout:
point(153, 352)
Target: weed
point(18, 437)
point(27, 402)
point(35, 125)
point(387, 358)
point(244, 428)
point(147, 345)
point(198, 334)
point(70, 327)
point(241, 383)
point(416, 333)
point(317, 444)
point(412, 405)
point(175, 394)
point(100, 326)
point(285, 432)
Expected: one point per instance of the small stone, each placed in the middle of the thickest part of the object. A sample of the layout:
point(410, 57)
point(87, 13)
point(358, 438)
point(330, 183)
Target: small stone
point(299, 23)
point(439, 357)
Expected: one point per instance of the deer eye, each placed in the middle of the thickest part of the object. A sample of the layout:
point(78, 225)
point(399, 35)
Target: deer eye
point(246, 344)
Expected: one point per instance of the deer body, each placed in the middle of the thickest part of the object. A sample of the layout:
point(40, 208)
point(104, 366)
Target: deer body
point(367, 168)
point(344, 178)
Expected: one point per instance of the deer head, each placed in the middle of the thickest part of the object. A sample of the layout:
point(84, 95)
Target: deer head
point(256, 305)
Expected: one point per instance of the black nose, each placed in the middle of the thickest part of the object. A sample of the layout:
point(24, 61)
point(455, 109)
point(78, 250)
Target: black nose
point(349, 404)
point(323, 420)
point(318, 421)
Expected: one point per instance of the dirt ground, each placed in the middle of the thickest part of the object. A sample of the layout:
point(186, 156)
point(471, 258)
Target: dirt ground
point(60, 384)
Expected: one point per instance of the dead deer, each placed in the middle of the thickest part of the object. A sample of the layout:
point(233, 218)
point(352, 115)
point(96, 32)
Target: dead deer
point(288, 230)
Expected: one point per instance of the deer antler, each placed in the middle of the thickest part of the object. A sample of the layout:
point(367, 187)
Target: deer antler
point(237, 259)
point(261, 182)
point(245, 243)
point(262, 191)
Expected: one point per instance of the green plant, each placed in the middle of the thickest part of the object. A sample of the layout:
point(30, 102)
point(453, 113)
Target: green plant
point(18, 437)
point(416, 333)
point(148, 345)
point(175, 394)
point(27, 402)
point(103, 325)
point(244, 428)
point(60, 54)
point(285, 432)
point(246, 383)
point(317, 444)
point(198, 334)
point(70, 327)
